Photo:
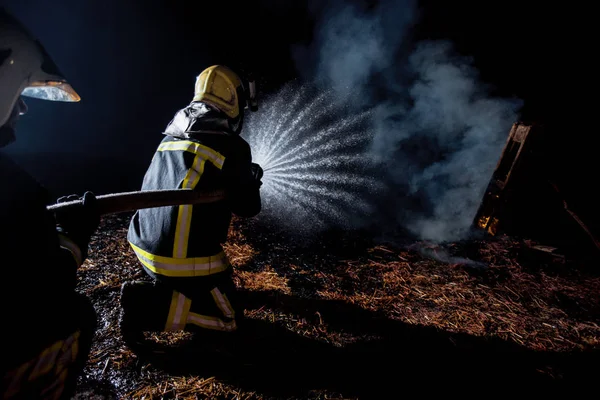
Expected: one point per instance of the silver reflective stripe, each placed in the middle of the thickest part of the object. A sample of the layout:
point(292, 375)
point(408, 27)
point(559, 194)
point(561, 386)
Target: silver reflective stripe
point(189, 268)
point(216, 158)
point(178, 312)
point(184, 215)
point(182, 231)
point(204, 321)
point(223, 303)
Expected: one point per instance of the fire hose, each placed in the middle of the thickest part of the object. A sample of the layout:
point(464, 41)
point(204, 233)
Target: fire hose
point(115, 203)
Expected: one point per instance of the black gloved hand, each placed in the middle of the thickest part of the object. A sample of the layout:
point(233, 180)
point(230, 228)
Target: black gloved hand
point(257, 172)
point(80, 221)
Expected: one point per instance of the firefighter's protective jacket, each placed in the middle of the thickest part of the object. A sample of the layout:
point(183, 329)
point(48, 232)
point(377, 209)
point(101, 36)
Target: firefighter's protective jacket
point(39, 267)
point(198, 153)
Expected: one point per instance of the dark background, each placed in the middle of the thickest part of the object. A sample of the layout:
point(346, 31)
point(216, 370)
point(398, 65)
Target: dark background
point(134, 65)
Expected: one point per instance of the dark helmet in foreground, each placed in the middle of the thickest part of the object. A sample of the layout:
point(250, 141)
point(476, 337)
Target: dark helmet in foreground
point(26, 69)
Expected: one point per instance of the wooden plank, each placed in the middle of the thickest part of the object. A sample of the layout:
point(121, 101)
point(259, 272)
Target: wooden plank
point(510, 171)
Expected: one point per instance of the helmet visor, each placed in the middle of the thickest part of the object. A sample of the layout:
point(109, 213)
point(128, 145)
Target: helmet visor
point(51, 90)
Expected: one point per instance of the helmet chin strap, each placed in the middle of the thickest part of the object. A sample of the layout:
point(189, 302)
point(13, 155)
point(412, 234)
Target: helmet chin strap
point(236, 124)
point(7, 135)
point(7, 131)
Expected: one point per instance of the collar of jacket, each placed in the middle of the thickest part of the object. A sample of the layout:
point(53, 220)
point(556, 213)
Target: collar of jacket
point(196, 119)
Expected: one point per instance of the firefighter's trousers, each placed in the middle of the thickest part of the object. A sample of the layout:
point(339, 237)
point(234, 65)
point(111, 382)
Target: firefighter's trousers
point(181, 304)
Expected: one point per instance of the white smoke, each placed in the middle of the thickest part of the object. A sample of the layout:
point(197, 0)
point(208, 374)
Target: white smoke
point(437, 130)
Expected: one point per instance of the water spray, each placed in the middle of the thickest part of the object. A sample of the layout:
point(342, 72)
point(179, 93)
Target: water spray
point(313, 153)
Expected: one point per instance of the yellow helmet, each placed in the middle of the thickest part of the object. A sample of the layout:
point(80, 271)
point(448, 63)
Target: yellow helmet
point(222, 88)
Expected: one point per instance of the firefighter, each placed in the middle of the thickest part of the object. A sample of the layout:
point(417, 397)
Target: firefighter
point(48, 326)
point(180, 247)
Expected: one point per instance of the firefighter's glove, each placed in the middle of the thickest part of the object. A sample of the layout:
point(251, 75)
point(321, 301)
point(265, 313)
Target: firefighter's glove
point(257, 173)
point(79, 221)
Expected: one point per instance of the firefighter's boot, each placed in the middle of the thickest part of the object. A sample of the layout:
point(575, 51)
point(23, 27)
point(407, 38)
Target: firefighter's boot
point(142, 309)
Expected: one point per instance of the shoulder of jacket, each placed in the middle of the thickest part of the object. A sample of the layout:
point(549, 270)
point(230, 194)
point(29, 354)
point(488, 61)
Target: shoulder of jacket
point(242, 142)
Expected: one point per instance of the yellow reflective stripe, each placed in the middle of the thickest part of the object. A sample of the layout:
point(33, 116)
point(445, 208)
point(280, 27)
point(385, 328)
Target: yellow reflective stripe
point(186, 267)
point(184, 216)
point(182, 231)
point(45, 361)
point(55, 390)
point(178, 312)
point(67, 244)
point(16, 378)
point(223, 303)
point(69, 351)
point(216, 158)
point(194, 174)
point(207, 322)
point(51, 366)
point(75, 347)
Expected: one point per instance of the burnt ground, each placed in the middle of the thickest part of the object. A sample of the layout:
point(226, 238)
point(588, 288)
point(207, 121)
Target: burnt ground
point(344, 316)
